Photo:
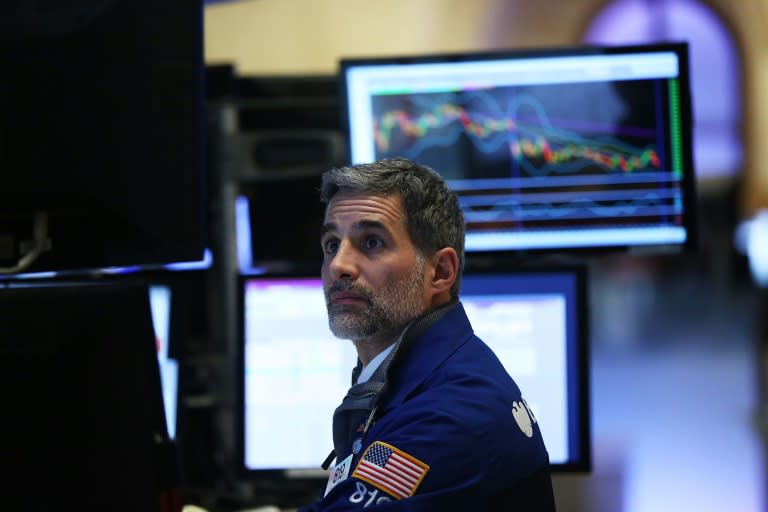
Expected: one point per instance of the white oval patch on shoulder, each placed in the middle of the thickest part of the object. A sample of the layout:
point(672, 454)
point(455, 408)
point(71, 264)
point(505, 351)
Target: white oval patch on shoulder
point(523, 419)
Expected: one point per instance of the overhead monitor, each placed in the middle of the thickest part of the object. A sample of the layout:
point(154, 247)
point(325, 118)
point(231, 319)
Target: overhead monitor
point(294, 372)
point(102, 157)
point(571, 149)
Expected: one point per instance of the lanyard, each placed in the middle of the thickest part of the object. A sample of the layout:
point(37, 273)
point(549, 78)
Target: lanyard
point(368, 422)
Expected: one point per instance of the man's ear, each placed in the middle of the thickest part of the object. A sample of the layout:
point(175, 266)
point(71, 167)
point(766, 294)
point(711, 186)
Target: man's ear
point(445, 265)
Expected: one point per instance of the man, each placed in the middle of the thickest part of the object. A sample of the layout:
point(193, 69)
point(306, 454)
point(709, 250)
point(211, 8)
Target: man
point(432, 420)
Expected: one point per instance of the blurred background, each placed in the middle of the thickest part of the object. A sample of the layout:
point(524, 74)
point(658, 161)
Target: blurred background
point(676, 340)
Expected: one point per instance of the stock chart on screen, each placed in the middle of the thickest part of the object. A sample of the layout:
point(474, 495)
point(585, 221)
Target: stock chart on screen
point(563, 149)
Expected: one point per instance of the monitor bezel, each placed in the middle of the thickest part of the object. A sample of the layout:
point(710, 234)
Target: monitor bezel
point(687, 184)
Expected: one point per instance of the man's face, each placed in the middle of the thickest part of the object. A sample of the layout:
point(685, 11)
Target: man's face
point(374, 280)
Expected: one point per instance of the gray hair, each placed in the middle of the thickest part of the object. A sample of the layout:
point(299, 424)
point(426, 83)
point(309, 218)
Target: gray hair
point(433, 217)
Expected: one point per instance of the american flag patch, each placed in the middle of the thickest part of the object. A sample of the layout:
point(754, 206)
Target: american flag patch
point(391, 470)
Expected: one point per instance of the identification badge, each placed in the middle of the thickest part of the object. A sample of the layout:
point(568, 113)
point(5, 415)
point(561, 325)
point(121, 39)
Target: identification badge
point(338, 473)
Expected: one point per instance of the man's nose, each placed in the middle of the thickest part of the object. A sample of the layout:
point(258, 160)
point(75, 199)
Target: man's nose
point(344, 264)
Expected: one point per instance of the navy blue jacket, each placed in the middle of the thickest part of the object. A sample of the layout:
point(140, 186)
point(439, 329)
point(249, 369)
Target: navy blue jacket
point(450, 431)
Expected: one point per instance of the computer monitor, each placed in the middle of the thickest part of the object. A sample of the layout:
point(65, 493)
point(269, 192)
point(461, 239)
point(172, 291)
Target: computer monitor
point(102, 135)
point(83, 423)
point(294, 372)
point(263, 211)
point(574, 150)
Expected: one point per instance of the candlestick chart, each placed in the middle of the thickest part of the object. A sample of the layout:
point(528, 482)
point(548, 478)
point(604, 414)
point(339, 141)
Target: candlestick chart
point(554, 156)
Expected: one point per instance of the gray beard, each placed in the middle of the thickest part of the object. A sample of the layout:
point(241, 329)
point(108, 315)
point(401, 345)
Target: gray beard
point(388, 311)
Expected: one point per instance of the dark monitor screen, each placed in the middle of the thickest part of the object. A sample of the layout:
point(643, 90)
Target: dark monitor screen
point(83, 424)
point(294, 372)
point(573, 149)
point(102, 157)
point(278, 223)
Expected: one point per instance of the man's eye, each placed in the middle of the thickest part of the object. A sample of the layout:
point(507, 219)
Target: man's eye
point(373, 243)
point(330, 246)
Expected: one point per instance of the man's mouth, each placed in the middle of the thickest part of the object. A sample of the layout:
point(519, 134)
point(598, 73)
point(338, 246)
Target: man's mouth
point(347, 297)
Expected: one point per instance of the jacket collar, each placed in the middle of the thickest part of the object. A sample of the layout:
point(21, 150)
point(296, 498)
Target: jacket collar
point(425, 345)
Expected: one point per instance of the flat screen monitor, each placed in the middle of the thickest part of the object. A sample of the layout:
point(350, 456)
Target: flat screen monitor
point(262, 241)
point(571, 150)
point(294, 372)
point(102, 157)
point(83, 424)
